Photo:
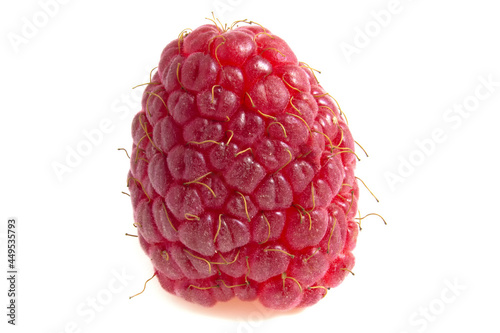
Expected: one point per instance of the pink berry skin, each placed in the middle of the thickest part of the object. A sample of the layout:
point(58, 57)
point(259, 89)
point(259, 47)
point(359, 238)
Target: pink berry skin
point(242, 173)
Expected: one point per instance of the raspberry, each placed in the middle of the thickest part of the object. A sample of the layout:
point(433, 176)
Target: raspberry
point(242, 172)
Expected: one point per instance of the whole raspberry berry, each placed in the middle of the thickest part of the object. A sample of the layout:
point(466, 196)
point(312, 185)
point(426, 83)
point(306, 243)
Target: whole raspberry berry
point(242, 172)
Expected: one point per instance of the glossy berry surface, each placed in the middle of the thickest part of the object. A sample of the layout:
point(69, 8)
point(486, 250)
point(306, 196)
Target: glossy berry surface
point(242, 172)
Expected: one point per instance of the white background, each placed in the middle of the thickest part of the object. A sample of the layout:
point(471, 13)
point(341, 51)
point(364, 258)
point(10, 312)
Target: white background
point(433, 268)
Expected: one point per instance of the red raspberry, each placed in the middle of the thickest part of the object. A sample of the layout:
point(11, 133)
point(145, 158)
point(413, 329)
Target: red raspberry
point(242, 172)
